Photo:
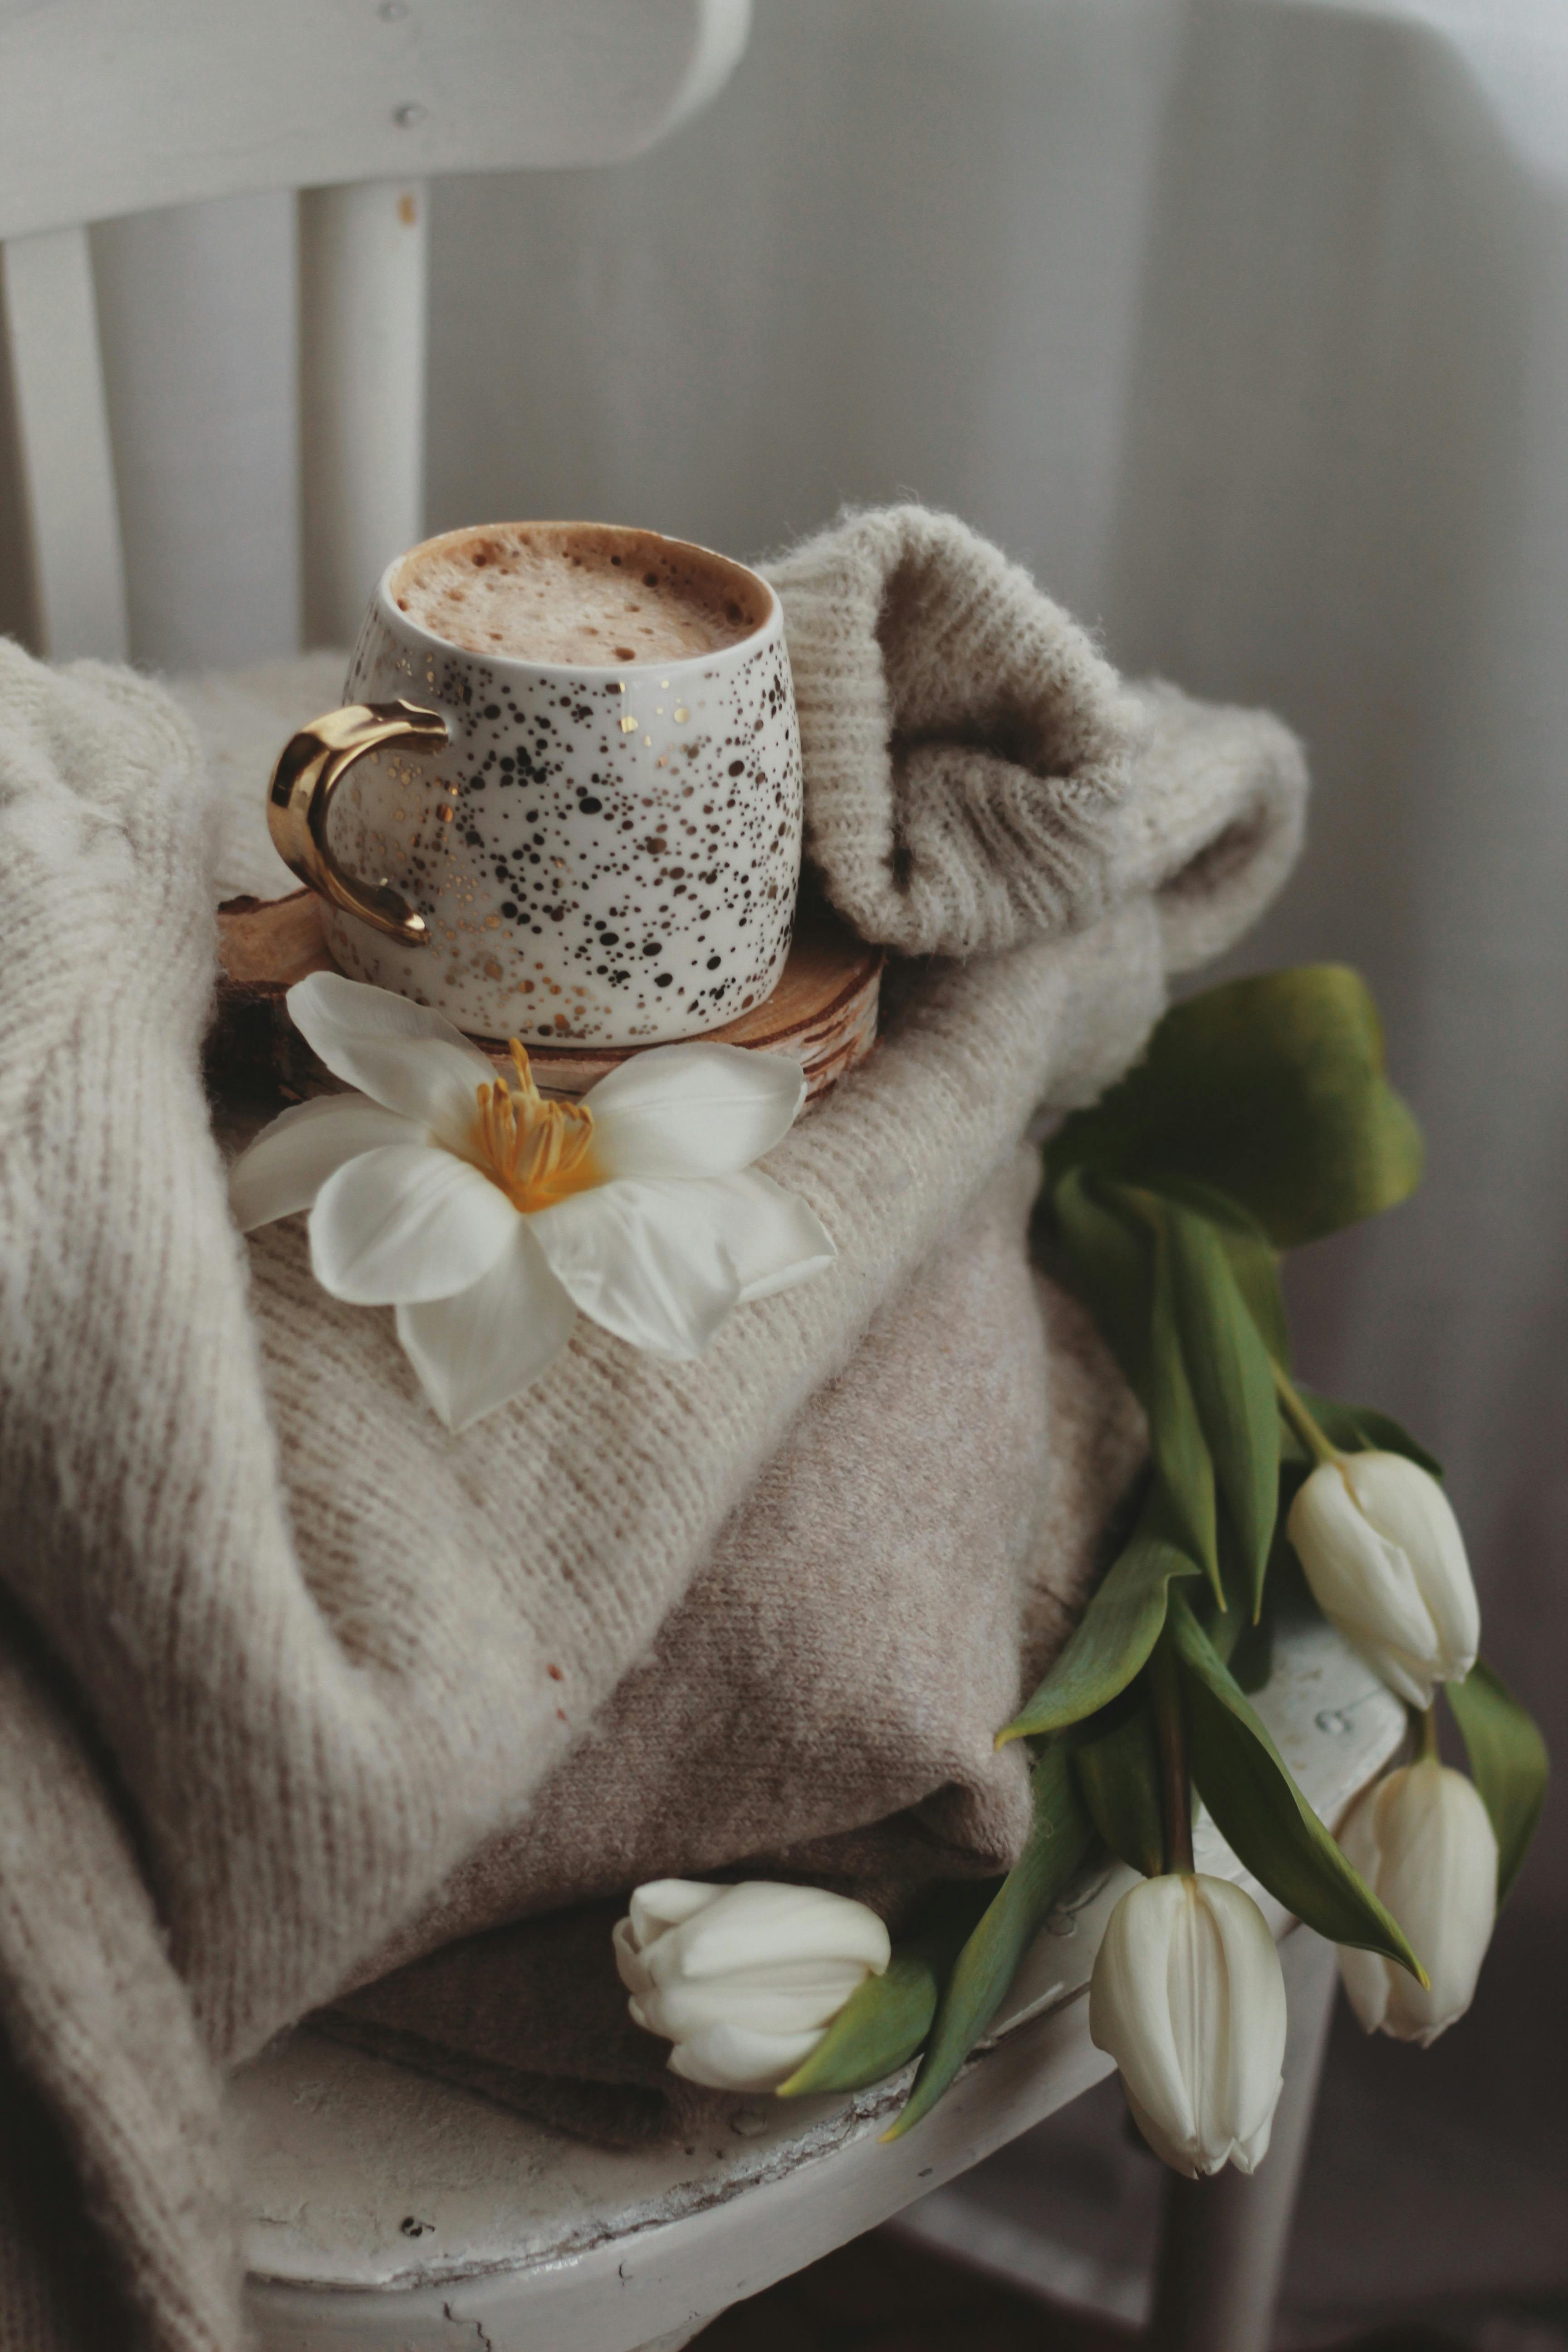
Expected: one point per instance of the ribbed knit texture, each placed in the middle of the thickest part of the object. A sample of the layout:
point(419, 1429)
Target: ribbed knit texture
point(894, 1583)
point(966, 747)
point(303, 1651)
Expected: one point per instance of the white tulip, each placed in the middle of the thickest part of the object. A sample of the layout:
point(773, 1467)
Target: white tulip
point(1187, 1996)
point(490, 1217)
point(743, 1980)
point(1423, 1843)
point(1383, 1555)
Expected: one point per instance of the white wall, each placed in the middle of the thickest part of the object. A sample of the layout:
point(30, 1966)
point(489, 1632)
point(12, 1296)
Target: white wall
point(902, 255)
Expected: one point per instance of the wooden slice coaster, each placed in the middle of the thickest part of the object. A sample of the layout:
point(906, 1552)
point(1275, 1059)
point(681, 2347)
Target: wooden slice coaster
point(822, 1013)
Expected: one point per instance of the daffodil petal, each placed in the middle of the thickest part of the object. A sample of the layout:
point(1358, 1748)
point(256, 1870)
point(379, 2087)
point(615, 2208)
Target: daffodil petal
point(291, 1161)
point(478, 1348)
point(774, 1241)
point(398, 1053)
point(330, 1009)
point(693, 1110)
point(647, 1261)
point(406, 1223)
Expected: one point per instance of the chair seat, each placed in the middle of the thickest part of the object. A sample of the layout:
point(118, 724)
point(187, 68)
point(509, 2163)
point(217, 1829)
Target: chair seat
point(382, 2207)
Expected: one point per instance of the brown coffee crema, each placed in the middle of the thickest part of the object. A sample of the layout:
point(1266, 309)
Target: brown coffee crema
point(581, 595)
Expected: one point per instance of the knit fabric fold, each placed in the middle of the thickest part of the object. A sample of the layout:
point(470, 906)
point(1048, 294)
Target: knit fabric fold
point(977, 773)
point(290, 1656)
point(967, 749)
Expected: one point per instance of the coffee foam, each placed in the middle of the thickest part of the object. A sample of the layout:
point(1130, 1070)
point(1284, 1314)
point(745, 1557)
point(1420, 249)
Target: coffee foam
point(580, 594)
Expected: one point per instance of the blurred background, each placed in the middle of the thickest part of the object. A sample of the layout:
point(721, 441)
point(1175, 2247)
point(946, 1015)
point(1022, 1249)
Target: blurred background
point(1244, 324)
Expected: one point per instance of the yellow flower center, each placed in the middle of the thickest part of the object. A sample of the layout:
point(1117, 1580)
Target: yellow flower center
point(537, 1151)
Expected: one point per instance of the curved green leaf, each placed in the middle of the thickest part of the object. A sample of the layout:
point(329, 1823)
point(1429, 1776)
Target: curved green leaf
point(1183, 1464)
point(1509, 1762)
point(1254, 1260)
point(989, 1961)
point(1115, 1635)
point(1231, 1385)
point(1112, 1260)
point(1262, 1814)
point(1354, 1427)
point(1249, 1655)
point(880, 2027)
point(1272, 1089)
point(1118, 1769)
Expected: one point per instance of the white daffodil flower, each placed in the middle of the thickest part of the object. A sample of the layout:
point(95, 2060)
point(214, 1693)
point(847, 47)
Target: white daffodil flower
point(489, 1218)
point(745, 1980)
point(1383, 1555)
point(1188, 1997)
point(1424, 1843)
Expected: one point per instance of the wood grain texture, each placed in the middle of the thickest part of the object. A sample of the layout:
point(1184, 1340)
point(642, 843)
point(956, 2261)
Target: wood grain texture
point(822, 1012)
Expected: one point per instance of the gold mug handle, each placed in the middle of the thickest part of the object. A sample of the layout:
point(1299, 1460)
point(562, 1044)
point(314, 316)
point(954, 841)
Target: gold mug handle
point(311, 767)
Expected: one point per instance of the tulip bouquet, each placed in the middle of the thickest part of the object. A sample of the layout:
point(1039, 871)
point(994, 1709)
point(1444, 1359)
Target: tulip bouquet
point(1260, 1119)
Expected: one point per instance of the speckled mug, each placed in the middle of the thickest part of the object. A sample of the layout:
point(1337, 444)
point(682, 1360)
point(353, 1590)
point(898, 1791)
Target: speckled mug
point(556, 851)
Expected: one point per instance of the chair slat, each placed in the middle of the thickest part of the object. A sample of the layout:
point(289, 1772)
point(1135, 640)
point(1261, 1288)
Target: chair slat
point(362, 393)
point(50, 321)
point(173, 101)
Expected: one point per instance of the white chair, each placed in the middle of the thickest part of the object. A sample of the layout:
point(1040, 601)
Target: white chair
point(383, 2210)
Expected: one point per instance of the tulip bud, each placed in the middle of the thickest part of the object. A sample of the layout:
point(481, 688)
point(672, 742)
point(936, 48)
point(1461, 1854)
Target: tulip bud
point(1423, 1843)
point(1188, 1997)
point(1383, 1555)
point(743, 1980)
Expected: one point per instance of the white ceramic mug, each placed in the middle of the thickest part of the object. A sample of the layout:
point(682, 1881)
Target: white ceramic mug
point(562, 852)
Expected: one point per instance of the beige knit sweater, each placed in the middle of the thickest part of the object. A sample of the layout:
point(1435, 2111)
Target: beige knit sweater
point(276, 1652)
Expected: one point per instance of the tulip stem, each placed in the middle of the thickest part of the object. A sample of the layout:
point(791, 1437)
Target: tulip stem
point(1293, 1407)
point(1170, 1730)
point(1426, 1732)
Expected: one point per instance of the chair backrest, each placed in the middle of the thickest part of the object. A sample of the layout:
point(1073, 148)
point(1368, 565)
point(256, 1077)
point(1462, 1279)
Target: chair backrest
point(106, 110)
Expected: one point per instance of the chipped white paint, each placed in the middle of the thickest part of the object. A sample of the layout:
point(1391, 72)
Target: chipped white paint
point(384, 2208)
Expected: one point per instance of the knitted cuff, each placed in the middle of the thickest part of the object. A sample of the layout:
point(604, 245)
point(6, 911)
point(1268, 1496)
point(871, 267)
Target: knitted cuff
point(966, 748)
point(1214, 819)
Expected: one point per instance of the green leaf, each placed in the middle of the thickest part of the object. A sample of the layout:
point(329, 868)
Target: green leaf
point(1232, 1384)
point(1115, 1635)
point(1254, 1260)
point(1181, 1461)
point(1272, 1089)
point(1251, 1659)
point(880, 2027)
point(989, 1960)
point(1508, 1762)
point(1260, 1811)
point(1356, 1427)
point(1118, 1765)
point(1240, 1640)
point(1111, 1261)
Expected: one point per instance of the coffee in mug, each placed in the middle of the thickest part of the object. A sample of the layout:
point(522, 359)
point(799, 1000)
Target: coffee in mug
point(563, 800)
